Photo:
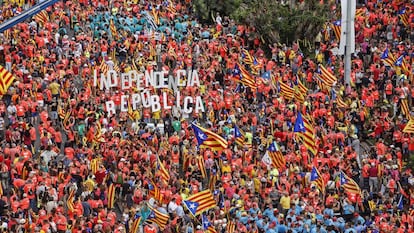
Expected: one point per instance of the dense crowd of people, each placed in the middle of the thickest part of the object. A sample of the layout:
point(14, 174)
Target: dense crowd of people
point(62, 153)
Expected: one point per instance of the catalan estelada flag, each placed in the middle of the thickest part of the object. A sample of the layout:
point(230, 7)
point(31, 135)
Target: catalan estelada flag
point(404, 17)
point(154, 191)
point(276, 156)
point(247, 57)
point(207, 226)
point(308, 135)
point(240, 139)
point(317, 179)
point(241, 75)
point(158, 218)
point(388, 58)
point(349, 184)
point(400, 62)
point(209, 139)
point(200, 202)
point(111, 196)
point(6, 80)
point(336, 27)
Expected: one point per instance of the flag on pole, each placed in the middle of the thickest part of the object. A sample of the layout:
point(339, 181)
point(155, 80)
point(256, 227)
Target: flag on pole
point(239, 137)
point(349, 184)
point(336, 27)
point(241, 75)
point(154, 191)
point(404, 17)
point(209, 139)
point(158, 218)
point(327, 77)
point(302, 88)
point(207, 226)
point(400, 62)
point(286, 91)
point(247, 57)
point(200, 202)
point(317, 179)
point(308, 136)
point(165, 175)
point(6, 80)
point(276, 157)
point(299, 124)
point(388, 58)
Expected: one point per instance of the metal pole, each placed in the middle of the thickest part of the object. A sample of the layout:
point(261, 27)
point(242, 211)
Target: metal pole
point(348, 48)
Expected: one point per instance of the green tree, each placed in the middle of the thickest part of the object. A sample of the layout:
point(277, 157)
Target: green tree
point(283, 23)
point(206, 9)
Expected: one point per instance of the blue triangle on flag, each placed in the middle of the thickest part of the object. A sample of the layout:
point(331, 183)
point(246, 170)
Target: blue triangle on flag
point(192, 206)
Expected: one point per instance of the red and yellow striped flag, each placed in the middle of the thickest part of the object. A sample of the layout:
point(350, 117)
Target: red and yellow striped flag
point(286, 91)
point(6, 80)
point(135, 225)
point(165, 175)
point(71, 198)
point(409, 127)
point(158, 218)
point(340, 103)
point(276, 156)
point(111, 196)
point(200, 202)
point(327, 77)
point(308, 136)
point(231, 227)
point(42, 17)
point(405, 108)
point(201, 166)
point(112, 27)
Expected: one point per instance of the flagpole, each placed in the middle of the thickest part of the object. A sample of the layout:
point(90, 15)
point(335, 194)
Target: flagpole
point(348, 47)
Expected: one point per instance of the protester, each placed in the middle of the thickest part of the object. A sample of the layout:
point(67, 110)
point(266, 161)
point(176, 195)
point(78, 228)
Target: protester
point(70, 165)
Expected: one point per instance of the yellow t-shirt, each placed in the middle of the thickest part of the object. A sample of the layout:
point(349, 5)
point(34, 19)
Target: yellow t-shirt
point(285, 202)
point(54, 88)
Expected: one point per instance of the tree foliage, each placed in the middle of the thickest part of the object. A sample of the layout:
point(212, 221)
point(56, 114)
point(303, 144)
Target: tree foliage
point(274, 21)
